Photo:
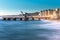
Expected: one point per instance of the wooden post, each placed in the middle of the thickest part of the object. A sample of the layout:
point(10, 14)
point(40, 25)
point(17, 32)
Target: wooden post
point(25, 16)
point(14, 19)
point(32, 18)
point(38, 18)
point(21, 19)
point(4, 18)
point(8, 18)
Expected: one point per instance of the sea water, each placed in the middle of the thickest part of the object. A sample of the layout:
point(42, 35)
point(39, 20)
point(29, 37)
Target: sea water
point(29, 30)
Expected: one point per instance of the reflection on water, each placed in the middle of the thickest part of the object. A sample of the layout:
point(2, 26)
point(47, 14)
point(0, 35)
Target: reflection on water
point(29, 30)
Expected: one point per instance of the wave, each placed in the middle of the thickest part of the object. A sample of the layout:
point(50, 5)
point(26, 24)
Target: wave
point(51, 24)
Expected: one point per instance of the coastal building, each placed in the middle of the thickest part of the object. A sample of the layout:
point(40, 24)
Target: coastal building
point(50, 14)
point(56, 13)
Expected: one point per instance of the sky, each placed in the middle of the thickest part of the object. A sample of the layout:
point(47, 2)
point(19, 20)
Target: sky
point(13, 7)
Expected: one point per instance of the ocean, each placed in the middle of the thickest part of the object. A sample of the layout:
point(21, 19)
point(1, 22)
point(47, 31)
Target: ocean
point(29, 30)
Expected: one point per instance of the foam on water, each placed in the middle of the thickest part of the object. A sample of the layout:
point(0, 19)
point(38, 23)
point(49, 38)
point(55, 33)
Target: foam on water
point(54, 34)
point(50, 24)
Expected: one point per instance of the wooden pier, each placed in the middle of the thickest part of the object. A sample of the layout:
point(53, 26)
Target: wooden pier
point(24, 17)
point(21, 18)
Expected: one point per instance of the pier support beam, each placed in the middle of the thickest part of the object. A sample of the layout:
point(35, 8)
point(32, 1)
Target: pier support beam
point(25, 17)
point(21, 19)
point(4, 18)
point(14, 19)
point(8, 18)
point(32, 18)
point(38, 18)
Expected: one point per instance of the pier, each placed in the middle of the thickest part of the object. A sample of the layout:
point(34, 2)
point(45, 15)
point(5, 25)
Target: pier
point(21, 18)
point(44, 14)
point(24, 17)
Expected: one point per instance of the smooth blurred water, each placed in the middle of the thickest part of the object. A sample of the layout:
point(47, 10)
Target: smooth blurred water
point(29, 30)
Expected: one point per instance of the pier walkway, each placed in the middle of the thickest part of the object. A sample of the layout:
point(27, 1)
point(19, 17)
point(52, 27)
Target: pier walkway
point(22, 18)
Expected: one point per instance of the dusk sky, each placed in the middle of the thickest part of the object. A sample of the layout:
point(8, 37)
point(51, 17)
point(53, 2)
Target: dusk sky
point(13, 6)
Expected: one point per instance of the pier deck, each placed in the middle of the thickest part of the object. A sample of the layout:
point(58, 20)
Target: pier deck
point(18, 17)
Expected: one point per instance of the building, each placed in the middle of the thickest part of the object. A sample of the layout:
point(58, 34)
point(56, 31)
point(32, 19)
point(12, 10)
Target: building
point(50, 14)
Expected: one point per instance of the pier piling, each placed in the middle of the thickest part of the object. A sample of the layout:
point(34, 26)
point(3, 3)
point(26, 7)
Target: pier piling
point(21, 19)
point(8, 18)
point(14, 19)
point(4, 18)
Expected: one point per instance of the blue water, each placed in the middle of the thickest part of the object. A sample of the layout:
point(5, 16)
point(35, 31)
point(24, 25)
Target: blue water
point(29, 30)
